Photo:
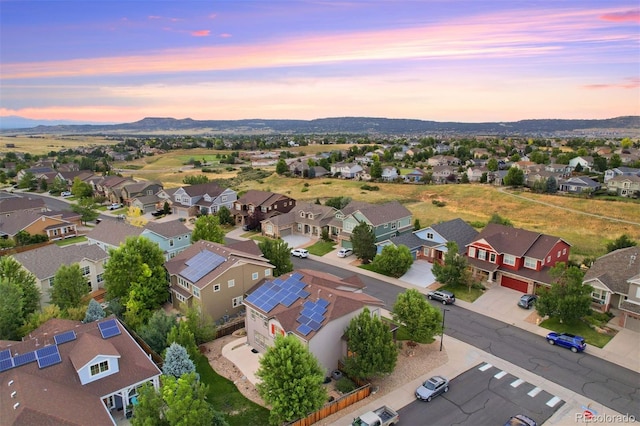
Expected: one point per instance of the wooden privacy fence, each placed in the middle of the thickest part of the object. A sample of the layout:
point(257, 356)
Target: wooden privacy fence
point(225, 330)
point(334, 406)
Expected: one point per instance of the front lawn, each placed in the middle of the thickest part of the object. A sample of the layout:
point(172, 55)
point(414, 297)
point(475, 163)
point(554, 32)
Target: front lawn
point(462, 292)
point(225, 397)
point(321, 248)
point(402, 335)
point(579, 328)
point(69, 241)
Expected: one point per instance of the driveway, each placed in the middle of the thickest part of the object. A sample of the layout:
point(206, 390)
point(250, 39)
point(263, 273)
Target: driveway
point(296, 241)
point(419, 274)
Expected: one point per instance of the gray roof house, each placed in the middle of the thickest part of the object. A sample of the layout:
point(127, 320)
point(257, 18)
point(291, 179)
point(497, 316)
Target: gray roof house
point(44, 262)
point(304, 219)
point(206, 198)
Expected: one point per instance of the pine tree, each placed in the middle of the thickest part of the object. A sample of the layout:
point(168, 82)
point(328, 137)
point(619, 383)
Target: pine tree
point(94, 312)
point(363, 241)
point(177, 361)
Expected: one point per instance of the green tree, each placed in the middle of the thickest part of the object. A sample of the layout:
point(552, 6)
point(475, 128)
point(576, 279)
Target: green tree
point(225, 217)
point(156, 330)
point(181, 334)
point(177, 361)
point(87, 209)
point(454, 271)
point(281, 167)
point(36, 319)
point(420, 319)
point(11, 313)
point(148, 410)
point(393, 261)
point(207, 227)
point(514, 177)
point(166, 208)
point(12, 271)
point(371, 347)
point(138, 261)
point(58, 185)
point(195, 179)
point(69, 287)
point(376, 170)
point(278, 253)
point(552, 185)
point(338, 202)
point(416, 225)
point(622, 241)
point(28, 181)
point(81, 189)
point(291, 380)
point(363, 241)
point(201, 325)
point(492, 165)
point(567, 298)
point(615, 161)
point(496, 218)
point(94, 312)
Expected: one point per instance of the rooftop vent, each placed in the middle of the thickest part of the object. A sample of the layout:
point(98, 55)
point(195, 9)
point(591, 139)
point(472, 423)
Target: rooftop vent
point(13, 394)
point(16, 405)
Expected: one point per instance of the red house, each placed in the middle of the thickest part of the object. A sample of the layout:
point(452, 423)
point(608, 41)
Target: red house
point(516, 258)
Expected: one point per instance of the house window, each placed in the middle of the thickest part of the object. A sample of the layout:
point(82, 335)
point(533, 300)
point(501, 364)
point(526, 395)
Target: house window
point(530, 263)
point(224, 198)
point(171, 242)
point(492, 257)
point(180, 297)
point(393, 225)
point(429, 236)
point(216, 288)
point(254, 276)
point(184, 283)
point(509, 259)
point(231, 283)
point(236, 301)
point(101, 367)
point(99, 278)
point(85, 271)
point(558, 255)
point(386, 225)
point(260, 340)
point(472, 250)
point(51, 282)
point(196, 292)
point(548, 259)
point(482, 254)
point(598, 296)
point(564, 251)
point(267, 272)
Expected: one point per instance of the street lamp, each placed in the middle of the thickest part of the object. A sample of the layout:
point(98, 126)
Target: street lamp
point(444, 312)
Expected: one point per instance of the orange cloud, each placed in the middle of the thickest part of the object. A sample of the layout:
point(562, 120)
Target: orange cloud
point(629, 83)
point(628, 16)
point(200, 33)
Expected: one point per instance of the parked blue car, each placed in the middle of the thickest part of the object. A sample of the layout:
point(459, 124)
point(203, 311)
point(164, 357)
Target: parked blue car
point(566, 340)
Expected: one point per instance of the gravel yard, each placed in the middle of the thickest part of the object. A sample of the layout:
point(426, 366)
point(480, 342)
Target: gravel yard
point(410, 366)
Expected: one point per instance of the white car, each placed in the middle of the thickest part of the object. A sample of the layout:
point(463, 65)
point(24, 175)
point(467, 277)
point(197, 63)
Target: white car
point(302, 253)
point(114, 206)
point(65, 194)
point(344, 252)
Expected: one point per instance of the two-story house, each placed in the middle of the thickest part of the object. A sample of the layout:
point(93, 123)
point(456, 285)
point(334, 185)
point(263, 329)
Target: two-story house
point(386, 220)
point(586, 162)
point(304, 219)
point(615, 278)
point(205, 198)
point(620, 171)
point(624, 186)
point(444, 174)
point(443, 160)
point(214, 279)
point(44, 262)
point(346, 170)
point(389, 174)
point(514, 257)
point(255, 206)
point(133, 191)
point(313, 306)
point(69, 373)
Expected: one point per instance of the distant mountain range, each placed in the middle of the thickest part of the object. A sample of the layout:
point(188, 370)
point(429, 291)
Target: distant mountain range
point(629, 125)
point(16, 122)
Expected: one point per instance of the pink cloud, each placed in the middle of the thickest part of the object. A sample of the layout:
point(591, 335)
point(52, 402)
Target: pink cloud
point(154, 17)
point(213, 16)
point(628, 16)
point(628, 83)
point(200, 33)
point(224, 35)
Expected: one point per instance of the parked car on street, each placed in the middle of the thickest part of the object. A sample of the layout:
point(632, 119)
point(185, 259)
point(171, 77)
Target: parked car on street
point(520, 420)
point(114, 206)
point(301, 253)
point(446, 297)
point(65, 194)
point(527, 301)
point(344, 252)
point(432, 387)
point(383, 416)
point(566, 340)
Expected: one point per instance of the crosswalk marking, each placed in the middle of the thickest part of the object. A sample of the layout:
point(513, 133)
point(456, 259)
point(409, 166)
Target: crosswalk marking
point(533, 392)
point(517, 383)
point(553, 401)
point(500, 375)
point(485, 367)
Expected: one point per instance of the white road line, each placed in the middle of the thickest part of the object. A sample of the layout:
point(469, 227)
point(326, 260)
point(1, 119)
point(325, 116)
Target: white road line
point(517, 383)
point(533, 392)
point(500, 375)
point(553, 401)
point(485, 367)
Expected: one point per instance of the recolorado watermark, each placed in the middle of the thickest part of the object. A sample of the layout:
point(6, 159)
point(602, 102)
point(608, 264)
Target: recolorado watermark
point(588, 416)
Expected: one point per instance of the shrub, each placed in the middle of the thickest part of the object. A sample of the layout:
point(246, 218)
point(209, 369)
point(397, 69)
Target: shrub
point(438, 203)
point(367, 187)
point(345, 385)
point(305, 189)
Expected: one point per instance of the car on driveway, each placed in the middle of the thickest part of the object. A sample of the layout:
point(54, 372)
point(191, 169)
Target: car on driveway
point(527, 301)
point(344, 252)
point(65, 194)
point(114, 206)
point(446, 297)
point(301, 253)
point(566, 340)
point(521, 420)
point(432, 387)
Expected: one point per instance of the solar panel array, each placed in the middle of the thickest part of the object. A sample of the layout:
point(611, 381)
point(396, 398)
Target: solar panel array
point(65, 337)
point(23, 359)
point(46, 356)
point(109, 328)
point(312, 315)
point(279, 291)
point(200, 265)
point(5, 354)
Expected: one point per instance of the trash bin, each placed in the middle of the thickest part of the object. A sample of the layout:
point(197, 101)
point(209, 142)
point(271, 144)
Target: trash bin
point(337, 375)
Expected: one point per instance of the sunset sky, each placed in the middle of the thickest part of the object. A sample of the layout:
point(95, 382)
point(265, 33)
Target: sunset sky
point(447, 60)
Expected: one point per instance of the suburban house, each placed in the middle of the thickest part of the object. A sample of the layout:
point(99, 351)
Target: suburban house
point(20, 204)
point(387, 220)
point(578, 185)
point(69, 373)
point(139, 189)
point(304, 219)
point(389, 174)
point(37, 172)
point(586, 162)
point(514, 257)
point(620, 171)
point(443, 160)
point(214, 279)
point(44, 262)
point(255, 206)
point(430, 243)
point(110, 187)
point(314, 306)
point(561, 170)
point(615, 278)
point(204, 198)
point(54, 226)
point(414, 176)
point(346, 170)
point(625, 186)
point(444, 174)
point(474, 174)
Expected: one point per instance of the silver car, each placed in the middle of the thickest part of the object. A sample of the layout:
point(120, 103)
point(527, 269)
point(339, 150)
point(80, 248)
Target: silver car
point(432, 387)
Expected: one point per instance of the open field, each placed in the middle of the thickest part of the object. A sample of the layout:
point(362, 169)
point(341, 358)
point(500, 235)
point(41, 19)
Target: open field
point(43, 144)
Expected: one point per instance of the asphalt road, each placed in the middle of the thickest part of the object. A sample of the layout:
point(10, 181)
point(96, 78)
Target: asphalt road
point(609, 384)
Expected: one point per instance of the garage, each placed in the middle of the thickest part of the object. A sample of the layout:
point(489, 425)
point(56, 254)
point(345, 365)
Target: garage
point(285, 232)
point(632, 323)
point(514, 283)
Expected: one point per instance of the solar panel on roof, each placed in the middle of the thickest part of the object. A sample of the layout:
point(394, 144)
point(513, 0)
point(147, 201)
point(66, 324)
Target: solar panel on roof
point(307, 312)
point(308, 304)
point(268, 306)
point(317, 317)
point(6, 354)
point(49, 360)
point(22, 359)
point(304, 329)
point(297, 275)
point(322, 302)
point(303, 319)
point(201, 264)
point(302, 294)
point(6, 364)
point(110, 332)
point(46, 351)
point(107, 324)
point(65, 337)
point(289, 300)
point(315, 325)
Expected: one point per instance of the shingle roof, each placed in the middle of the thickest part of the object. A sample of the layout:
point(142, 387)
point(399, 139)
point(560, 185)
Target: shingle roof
point(210, 188)
point(169, 229)
point(408, 239)
point(113, 232)
point(385, 213)
point(615, 269)
point(13, 204)
point(259, 198)
point(517, 242)
point(456, 230)
point(44, 262)
point(13, 223)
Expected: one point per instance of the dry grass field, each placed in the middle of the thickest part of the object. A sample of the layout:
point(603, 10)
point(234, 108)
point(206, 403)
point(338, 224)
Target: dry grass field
point(43, 144)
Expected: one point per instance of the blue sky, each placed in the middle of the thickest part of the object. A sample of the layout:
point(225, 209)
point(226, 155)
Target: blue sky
point(470, 61)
